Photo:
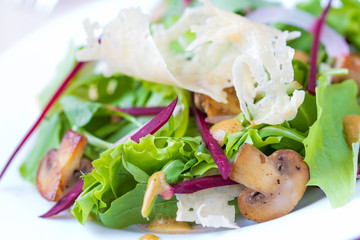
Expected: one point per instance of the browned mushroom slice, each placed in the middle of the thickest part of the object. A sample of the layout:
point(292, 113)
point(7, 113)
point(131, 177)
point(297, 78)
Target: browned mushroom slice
point(351, 128)
point(59, 170)
point(275, 184)
point(217, 111)
point(228, 126)
point(352, 63)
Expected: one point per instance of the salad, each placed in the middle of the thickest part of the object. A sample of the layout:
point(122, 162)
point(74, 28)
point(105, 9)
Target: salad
point(142, 116)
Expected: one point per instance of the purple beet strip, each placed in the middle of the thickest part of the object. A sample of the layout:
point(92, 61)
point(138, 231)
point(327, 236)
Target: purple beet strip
point(156, 123)
point(319, 24)
point(67, 201)
point(197, 184)
point(212, 145)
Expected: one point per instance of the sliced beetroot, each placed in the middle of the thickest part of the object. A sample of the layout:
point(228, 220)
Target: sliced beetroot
point(157, 122)
point(319, 24)
point(56, 95)
point(197, 184)
point(212, 145)
point(139, 111)
point(67, 201)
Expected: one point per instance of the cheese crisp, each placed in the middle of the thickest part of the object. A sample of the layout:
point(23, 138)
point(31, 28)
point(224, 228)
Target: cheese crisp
point(224, 50)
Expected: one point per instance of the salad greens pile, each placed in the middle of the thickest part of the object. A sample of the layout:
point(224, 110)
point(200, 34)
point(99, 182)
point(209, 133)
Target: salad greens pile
point(113, 192)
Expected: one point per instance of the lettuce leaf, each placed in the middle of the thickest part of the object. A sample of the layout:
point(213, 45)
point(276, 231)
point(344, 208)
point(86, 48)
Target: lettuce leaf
point(120, 171)
point(330, 160)
point(267, 138)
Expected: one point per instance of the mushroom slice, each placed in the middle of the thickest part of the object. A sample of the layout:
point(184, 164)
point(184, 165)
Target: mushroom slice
point(60, 169)
point(255, 170)
point(352, 63)
point(217, 111)
point(284, 175)
point(228, 126)
point(351, 129)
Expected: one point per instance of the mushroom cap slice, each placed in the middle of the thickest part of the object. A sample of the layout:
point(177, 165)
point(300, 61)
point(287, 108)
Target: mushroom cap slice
point(351, 129)
point(255, 170)
point(352, 63)
point(58, 168)
point(217, 111)
point(228, 126)
point(283, 191)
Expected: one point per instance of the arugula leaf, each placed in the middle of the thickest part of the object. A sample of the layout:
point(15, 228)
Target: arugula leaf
point(329, 158)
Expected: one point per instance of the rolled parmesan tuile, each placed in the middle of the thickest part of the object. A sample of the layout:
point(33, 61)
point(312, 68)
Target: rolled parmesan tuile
point(228, 51)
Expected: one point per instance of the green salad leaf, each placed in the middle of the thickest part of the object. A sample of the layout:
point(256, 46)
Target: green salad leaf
point(120, 169)
point(126, 210)
point(48, 138)
point(330, 160)
point(78, 112)
point(267, 138)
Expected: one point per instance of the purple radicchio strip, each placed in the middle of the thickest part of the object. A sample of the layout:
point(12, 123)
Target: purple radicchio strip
point(319, 24)
point(211, 144)
point(67, 201)
point(150, 128)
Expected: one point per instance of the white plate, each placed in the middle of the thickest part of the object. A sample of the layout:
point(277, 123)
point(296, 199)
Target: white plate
point(26, 68)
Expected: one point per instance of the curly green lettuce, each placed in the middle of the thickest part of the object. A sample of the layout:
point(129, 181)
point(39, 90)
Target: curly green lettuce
point(122, 170)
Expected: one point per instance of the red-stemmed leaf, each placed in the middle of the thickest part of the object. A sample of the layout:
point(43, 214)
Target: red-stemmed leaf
point(67, 201)
point(212, 145)
point(157, 122)
point(56, 95)
point(319, 24)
